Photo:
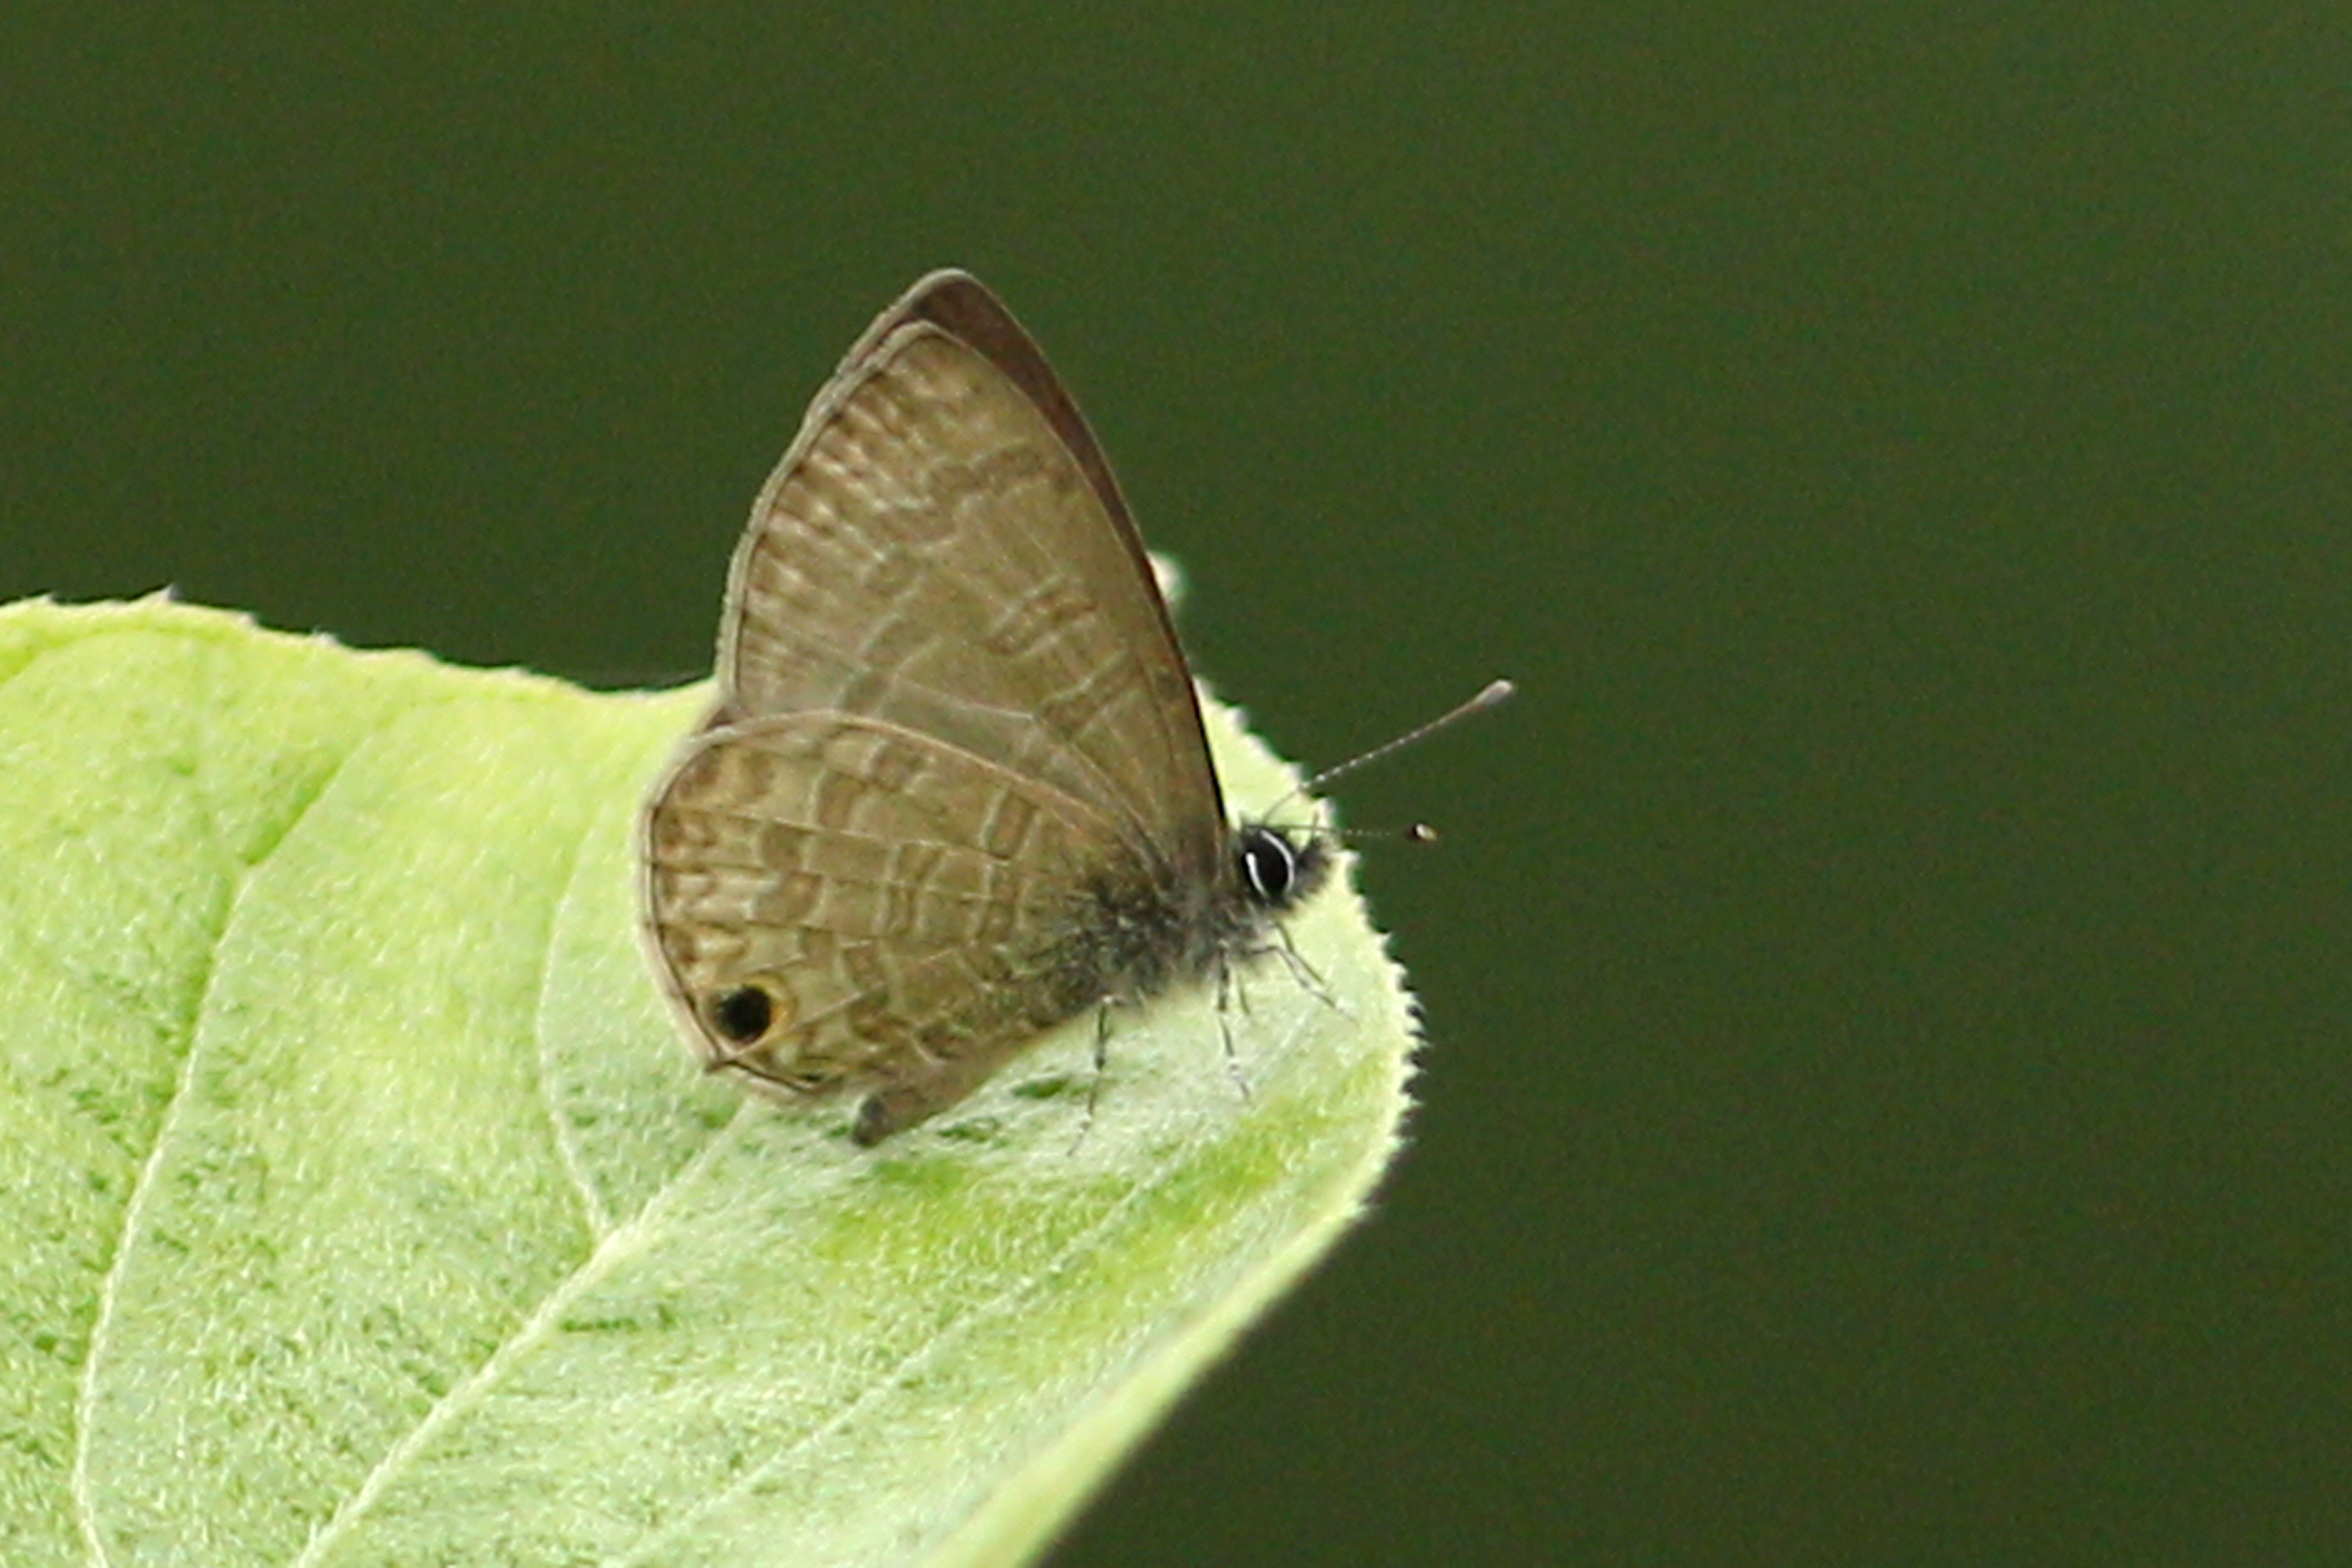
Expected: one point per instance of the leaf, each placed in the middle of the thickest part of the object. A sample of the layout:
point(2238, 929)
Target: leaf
point(365, 1209)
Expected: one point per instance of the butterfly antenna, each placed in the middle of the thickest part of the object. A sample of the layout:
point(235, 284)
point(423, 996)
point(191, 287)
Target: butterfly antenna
point(1493, 694)
point(1413, 833)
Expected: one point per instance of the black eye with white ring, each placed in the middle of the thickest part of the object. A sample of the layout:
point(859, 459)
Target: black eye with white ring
point(1268, 863)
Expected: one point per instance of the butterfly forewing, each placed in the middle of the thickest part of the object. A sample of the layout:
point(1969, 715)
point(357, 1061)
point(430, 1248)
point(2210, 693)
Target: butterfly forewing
point(931, 552)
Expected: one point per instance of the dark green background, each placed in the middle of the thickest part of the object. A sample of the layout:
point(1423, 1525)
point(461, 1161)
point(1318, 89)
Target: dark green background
point(1889, 1096)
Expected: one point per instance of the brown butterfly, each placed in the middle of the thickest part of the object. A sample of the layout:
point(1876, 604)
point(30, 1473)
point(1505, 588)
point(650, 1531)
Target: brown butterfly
point(955, 789)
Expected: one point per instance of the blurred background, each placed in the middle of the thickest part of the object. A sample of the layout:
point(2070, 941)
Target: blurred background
point(1889, 1095)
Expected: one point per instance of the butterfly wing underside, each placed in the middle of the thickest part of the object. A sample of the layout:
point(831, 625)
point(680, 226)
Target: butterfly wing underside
point(891, 901)
point(942, 549)
point(949, 696)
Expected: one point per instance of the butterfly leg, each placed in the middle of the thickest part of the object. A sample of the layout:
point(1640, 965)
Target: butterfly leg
point(1102, 1065)
point(1301, 971)
point(1230, 991)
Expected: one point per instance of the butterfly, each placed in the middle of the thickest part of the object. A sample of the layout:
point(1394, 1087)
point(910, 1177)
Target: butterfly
point(954, 789)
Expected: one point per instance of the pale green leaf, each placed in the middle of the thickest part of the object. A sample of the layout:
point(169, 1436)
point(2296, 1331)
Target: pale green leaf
point(362, 1206)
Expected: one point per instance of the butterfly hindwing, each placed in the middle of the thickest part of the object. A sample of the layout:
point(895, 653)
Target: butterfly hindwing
point(890, 899)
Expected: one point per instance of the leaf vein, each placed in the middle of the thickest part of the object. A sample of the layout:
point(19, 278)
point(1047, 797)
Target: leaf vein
point(611, 1250)
point(134, 1211)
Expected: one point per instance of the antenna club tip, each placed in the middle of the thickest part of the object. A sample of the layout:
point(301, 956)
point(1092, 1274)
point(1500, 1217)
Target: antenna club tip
point(1498, 690)
point(1421, 833)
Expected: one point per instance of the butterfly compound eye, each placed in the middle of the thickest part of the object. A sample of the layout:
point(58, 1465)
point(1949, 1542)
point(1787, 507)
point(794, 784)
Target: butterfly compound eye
point(1269, 865)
